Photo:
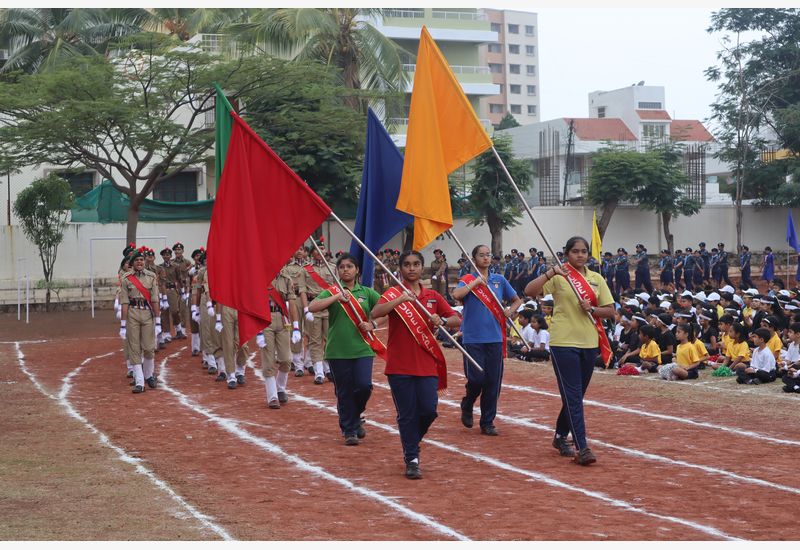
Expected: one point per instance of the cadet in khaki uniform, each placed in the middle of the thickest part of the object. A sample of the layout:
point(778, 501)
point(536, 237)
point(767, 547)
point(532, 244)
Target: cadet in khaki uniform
point(124, 267)
point(166, 319)
point(137, 324)
point(195, 323)
point(296, 272)
point(316, 324)
point(184, 265)
point(234, 357)
point(275, 342)
point(173, 290)
point(209, 337)
point(439, 272)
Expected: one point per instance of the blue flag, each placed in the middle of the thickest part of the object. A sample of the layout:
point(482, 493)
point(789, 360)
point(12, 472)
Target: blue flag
point(791, 236)
point(377, 220)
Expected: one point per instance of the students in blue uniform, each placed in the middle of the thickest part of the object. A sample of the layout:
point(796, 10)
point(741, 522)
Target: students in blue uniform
point(665, 265)
point(688, 268)
point(621, 273)
point(706, 264)
point(744, 262)
point(607, 269)
point(715, 259)
point(768, 271)
point(677, 264)
point(723, 265)
point(642, 273)
point(698, 269)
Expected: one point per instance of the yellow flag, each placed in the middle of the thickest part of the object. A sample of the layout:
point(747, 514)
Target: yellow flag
point(597, 244)
point(443, 134)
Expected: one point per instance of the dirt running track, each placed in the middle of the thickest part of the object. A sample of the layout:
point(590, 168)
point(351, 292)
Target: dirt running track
point(704, 460)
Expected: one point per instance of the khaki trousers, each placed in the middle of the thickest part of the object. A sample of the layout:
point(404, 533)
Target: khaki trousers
point(316, 331)
point(140, 335)
point(174, 298)
point(230, 340)
point(278, 348)
point(209, 337)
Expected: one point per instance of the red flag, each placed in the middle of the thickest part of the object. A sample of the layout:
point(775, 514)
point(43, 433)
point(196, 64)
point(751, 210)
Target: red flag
point(262, 214)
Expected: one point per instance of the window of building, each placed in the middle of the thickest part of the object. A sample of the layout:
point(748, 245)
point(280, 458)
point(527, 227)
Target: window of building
point(495, 48)
point(529, 30)
point(513, 29)
point(531, 90)
point(650, 105)
point(80, 183)
point(515, 88)
point(653, 131)
point(530, 51)
point(513, 69)
point(495, 67)
point(495, 108)
point(496, 27)
point(513, 48)
point(532, 110)
point(515, 109)
point(181, 187)
point(601, 112)
point(531, 70)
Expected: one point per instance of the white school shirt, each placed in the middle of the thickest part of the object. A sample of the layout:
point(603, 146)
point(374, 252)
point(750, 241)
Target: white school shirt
point(618, 328)
point(529, 334)
point(543, 337)
point(763, 359)
point(792, 354)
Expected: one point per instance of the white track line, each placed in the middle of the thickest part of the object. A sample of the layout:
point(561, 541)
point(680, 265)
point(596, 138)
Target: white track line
point(232, 426)
point(537, 476)
point(62, 400)
point(659, 416)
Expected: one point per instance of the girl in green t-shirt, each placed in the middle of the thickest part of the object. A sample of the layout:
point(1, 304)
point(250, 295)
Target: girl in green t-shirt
point(349, 355)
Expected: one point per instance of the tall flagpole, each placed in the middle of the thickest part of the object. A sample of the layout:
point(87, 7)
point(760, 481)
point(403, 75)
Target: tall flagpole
point(422, 308)
point(496, 298)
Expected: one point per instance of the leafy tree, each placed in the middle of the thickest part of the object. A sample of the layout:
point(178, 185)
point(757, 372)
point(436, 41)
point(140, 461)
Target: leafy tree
point(492, 197)
point(343, 38)
point(508, 121)
point(42, 209)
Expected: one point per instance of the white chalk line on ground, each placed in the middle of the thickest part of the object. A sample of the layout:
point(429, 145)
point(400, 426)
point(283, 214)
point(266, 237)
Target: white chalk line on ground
point(62, 400)
point(659, 416)
point(232, 426)
point(537, 476)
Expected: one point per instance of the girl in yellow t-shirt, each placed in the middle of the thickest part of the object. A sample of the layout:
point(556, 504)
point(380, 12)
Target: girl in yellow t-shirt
point(649, 352)
point(687, 357)
point(737, 353)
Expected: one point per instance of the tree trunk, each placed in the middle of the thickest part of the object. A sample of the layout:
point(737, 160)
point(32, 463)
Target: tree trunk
point(666, 217)
point(496, 231)
point(605, 218)
point(133, 220)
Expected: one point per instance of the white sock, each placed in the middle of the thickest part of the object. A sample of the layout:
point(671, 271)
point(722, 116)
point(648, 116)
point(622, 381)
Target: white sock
point(128, 365)
point(326, 366)
point(307, 359)
point(148, 367)
point(211, 361)
point(195, 342)
point(178, 328)
point(281, 378)
point(138, 375)
point(221, 364)
point(297, 361)
point(240, 369)
point(271, 388)
point(232, 375)
point(319, 369)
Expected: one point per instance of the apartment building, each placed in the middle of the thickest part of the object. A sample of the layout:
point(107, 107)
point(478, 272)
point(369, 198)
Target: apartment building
point(458, 34)
point(513, 64)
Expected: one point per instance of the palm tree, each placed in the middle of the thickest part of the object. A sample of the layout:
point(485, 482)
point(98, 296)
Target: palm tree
point(184, 23)
point(337, 37)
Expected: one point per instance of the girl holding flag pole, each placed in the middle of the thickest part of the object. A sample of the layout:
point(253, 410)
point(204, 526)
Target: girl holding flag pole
point(574, 338)
point(415, 365)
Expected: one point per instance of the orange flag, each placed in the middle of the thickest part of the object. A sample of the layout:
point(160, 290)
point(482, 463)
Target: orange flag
point(443, 134)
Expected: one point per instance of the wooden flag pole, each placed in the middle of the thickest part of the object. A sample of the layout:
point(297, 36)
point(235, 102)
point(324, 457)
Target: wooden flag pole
point(496, 298)
point(422, 308)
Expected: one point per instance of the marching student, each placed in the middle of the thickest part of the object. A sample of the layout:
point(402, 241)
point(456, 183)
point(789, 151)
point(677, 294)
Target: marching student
point(768, 270)
point(666, 276)
point(606, 269)
point(351, 345)
point(762, 367)
point(744, 262)
point(621, 271)
point(642, 273)
point(415, 365)
point(484, 336)
point(689, 266)
point(723, 265)
point(317, 278)
point(707, 262)
point(576, 338)
point(677, 264)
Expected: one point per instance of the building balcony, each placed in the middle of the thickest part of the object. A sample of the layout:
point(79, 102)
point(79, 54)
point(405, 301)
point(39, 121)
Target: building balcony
point(474, 79)
point(444, 25)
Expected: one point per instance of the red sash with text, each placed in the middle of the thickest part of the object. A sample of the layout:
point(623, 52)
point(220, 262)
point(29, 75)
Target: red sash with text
point(416, 323)
point(484, 294)
point(354, 312)
point(140, 287)
point(586, 292)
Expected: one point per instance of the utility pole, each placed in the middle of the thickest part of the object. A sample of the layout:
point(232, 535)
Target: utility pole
point(568, 159)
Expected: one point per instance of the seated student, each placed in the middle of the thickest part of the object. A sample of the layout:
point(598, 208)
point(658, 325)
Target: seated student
point(649, 352)
point(540, 350)
point(628, 350)
point(687, 360)
point(516, 346)
point(725, 323)
point(709, 334)
point(737, 352)
point(702, 352)
point(762, 365)
point(665, 338)
point(790, 368)
point(774, 342)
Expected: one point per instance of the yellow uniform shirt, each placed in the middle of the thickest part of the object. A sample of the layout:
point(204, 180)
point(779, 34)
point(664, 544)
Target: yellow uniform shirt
point(775, 345)
point(650, 352)
point(735, 350)
point(686, 355)
point(701, 348)
point(725, 341)
point(570, 325)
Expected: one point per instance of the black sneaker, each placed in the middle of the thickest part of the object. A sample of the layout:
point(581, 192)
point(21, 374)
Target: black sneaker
point(231, 384)
point(489, 430)
point(282, 397)
point(466, 414)
point(412, 470)
point(195, 352)
point(221, 377)
point(152, 382)
point(564, 448)
point(240, 379)
point(585, 457)
point(754, 381)
point(130, 374)
point(138, 389)
point(351, 440)
point(361, 433)
point(319, 380)
point(212, 370)
point(299, 372)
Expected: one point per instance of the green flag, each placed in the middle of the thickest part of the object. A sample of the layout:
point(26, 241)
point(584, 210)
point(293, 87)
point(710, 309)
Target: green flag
point(223, 127)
